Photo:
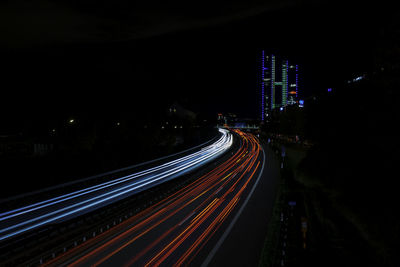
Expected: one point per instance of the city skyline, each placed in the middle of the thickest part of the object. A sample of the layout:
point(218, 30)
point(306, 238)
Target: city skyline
point(279, 83)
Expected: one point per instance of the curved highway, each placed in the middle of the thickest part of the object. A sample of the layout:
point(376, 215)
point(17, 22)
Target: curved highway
point(174, 230)
point(67, 206)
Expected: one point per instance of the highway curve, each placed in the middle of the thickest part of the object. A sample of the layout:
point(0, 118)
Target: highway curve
point(174, 230)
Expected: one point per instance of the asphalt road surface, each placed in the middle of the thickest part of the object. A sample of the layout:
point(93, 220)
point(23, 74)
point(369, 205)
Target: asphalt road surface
point(31, 217)
point(218, 219)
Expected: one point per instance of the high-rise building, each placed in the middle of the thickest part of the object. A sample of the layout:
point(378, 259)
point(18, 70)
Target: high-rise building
point(293, 84)
point(279, 83)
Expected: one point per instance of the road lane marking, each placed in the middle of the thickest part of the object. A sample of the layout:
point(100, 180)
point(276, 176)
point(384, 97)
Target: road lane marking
point(184, 220)
point(218, 190)
point(227, 231)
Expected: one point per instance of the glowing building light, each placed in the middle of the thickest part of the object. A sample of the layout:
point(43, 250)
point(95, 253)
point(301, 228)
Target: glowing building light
point(285, 69)
point(262, 84)
point(280, 76)
point(273, 82)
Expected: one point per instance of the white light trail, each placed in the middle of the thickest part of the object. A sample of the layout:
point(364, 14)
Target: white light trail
point(79, 202)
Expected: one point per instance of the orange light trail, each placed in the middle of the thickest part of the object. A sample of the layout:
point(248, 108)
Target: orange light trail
point(210, 200)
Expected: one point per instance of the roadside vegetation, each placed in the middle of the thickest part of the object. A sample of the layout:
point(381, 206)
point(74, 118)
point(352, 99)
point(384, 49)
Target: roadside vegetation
point(342, 168)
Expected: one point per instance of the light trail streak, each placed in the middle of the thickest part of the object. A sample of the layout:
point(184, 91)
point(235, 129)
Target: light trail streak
point(198, 211)
point(169, 203)
point(85, 200)
point(68, 196)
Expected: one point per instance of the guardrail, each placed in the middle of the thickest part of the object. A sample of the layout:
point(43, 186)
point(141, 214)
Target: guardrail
point(98, 224)
point(67, 206)
point(3, 202)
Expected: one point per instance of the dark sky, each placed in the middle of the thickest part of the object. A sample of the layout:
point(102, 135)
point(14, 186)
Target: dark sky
point(61, 58)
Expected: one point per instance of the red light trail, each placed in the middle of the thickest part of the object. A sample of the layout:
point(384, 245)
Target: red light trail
point(174, 230)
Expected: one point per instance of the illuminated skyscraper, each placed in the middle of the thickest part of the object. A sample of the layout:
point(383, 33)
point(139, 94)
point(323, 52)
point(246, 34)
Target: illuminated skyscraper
point(293, 84)
point(285, 68)
point(279, 84)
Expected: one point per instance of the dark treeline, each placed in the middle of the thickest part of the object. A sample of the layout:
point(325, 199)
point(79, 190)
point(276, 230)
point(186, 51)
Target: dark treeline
point(54, 151)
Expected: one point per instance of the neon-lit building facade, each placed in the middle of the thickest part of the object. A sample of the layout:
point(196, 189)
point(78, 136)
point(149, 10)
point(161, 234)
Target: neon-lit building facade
point(279, 83)
point(293, 84)
point(262, 85)
point(284, 91)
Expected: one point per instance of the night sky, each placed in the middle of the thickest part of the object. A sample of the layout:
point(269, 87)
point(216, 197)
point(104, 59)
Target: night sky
point(66, 58)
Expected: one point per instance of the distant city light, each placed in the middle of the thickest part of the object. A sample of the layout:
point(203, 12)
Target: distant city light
point(329, 89)
point(273, 82)
point(281, 108)
point(279, 85)
point(356, 79)
point(71, 121)
point(262, 86)
point(301, 103)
